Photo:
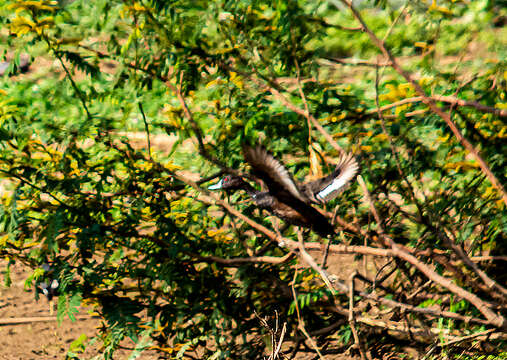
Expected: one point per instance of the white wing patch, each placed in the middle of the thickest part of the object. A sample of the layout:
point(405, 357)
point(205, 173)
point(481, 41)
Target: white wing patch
point(216, 186)
point(350, 168)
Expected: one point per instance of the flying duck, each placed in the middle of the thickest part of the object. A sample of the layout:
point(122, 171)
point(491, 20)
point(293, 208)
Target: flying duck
point(285, 198)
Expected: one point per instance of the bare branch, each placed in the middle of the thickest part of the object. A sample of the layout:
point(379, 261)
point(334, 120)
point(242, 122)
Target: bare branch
point(493, 318)
point(430, 102)
point(447, 99)
point(248, 260)
point(352, 321)
point(301, 322)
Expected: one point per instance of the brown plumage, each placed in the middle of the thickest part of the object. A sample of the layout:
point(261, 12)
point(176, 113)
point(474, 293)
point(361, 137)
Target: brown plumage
point(285, 198)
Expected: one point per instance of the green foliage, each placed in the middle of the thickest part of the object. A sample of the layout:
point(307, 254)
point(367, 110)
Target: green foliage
point(127, 236)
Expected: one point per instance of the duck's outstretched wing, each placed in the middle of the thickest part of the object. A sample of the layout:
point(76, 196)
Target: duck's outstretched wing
point(271, 171)
point(328, 187)
point(290, 204)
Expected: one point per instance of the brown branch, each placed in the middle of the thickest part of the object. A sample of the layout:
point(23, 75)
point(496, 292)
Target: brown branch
point(425, 311)
point(430, 102)
point(356, 62)
point(470, 103)
point(28, 320)
point(395, 251)
point(351, 318)
point(447, 99)
point(490, 283)
point(488, 258)
point(301, 322)
point(248, 260)
point(493, 318)
point(483, 334)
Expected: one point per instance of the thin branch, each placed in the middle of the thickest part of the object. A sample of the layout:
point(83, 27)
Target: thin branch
point(429, 101)
point(195, 127)
point(313, 264)
point(493, 318)
point(488, 258)
point(353, 62)
point(483, 334)
point(447, 99)
point(490, 283)
point(402, 11)
point(351, 319)
point(69, 76)
point(420, 310)
point(303, 98)
point(28, 320)
point(395, 251)
point(248, 260)
point(146, 127)
point(301, 322)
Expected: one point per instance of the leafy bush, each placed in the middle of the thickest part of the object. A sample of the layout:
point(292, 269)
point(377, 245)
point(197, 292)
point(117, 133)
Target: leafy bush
point(127, 231)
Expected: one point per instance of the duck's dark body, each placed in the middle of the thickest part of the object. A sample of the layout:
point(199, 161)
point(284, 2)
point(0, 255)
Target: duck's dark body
point(293, 211)
point(286, 199)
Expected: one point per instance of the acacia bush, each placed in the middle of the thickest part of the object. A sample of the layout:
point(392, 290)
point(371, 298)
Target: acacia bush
point(415, 89)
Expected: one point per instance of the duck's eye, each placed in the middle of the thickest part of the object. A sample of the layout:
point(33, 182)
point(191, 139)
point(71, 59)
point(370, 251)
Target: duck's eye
point(227, 178)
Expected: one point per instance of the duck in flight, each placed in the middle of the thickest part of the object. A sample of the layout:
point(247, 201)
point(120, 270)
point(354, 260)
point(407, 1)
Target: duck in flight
point(287, 199)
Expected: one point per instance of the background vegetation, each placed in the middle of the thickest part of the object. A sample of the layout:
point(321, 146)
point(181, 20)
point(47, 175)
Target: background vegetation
point(415, 89)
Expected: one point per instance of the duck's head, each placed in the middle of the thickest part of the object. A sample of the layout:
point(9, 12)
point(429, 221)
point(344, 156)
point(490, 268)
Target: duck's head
point(229, 182)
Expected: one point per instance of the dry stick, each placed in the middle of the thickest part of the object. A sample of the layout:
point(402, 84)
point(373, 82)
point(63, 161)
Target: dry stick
point(468, 337)
point(280, 341)
point(276, 344)
point(351, 320)
point(301, 323)
point(492, 317)
point(443, 98)
point(430, 102)
point(27, 320)
point(488, 258)
point(248, 260)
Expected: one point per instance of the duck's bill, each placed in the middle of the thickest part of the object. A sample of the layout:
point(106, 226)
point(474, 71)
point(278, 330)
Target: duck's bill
point(217, 186)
